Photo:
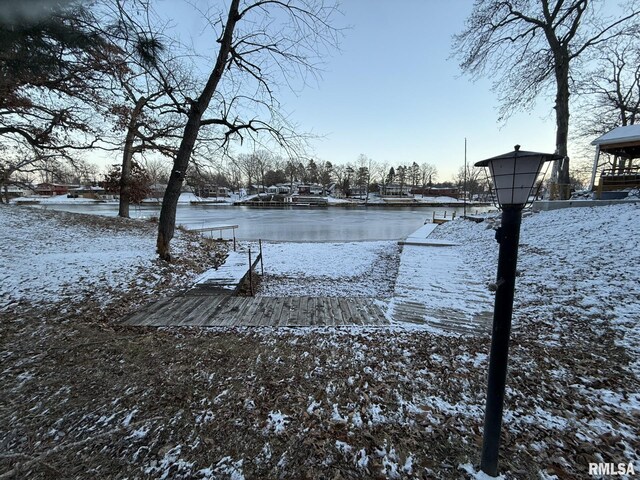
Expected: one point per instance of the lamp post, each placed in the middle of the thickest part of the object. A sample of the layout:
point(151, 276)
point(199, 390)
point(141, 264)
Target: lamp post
point(514, 175)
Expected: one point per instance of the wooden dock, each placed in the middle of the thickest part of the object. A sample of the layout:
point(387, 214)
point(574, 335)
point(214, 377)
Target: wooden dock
point(220, 310)
point(213, 302)
point(457, 299)
point(440, 218)
point(219, 229)
point(421, 237)
point(228, 278)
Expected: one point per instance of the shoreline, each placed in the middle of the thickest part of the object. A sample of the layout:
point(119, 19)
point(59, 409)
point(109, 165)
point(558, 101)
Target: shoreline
point(264, 205)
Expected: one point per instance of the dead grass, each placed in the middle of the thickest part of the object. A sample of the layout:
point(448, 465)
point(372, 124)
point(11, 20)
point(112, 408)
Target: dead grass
point(89, 398)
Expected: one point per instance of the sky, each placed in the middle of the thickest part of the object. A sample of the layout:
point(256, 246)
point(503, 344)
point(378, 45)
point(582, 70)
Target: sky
point(393, 93)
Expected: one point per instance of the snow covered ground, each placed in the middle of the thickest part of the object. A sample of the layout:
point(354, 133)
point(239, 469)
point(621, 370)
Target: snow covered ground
point(55, 256)
point(52, 200)
point(578, 262)
point(355, 269)
point(185, 197)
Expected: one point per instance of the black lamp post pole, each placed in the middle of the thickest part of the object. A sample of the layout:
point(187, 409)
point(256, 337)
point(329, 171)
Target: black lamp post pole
point(507, 236)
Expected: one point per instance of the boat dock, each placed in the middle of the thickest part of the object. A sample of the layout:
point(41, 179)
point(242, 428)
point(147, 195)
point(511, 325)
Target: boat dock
point(424, 296)
point(220, 310)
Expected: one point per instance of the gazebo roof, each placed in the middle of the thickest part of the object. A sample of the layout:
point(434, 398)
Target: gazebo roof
point(621, 141)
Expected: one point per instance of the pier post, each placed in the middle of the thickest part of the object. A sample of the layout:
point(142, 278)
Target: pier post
point(261, 264)
point(250, 274)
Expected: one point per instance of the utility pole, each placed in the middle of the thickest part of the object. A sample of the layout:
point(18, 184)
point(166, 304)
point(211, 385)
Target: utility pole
point(464, 193)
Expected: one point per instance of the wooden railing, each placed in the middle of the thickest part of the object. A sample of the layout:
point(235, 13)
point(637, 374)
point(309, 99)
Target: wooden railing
point(615, 179)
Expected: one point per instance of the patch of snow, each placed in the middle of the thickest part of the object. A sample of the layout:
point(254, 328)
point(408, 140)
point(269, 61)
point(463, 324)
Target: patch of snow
point(343, 447)
point(188, 197)
point(276, 422)
point(170, 465)
point(335, 415)
point(362, 459)
point(232, 470)
point(375, 414)
point(329, 269)
point(139, 433)
point(127, 419)
point(312, 406)
point(408, 465)
point(477, 474)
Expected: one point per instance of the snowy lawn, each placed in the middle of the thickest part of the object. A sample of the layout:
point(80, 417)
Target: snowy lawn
point(88, 398)
point(356, 269)
point(52, 256)
point(578, 272)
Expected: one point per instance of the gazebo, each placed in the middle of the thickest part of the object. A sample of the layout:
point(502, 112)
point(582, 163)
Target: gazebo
point(619, 171)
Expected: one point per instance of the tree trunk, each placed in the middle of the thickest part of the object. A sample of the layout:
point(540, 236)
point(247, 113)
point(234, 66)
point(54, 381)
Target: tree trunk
point(127, 159)
point(167, 222)
point(562, 123)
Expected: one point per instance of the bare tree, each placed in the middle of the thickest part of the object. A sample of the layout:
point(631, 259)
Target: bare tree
point(247, 163)
point(529, 46)
point(428, 175)
point(291, 171)
point(151, 85)
point(157, 169)
point(256, 40)
point(471, 183)
point(344, 177)
point(264, 163)
point(379, 172)
point(612, 90)
point(19, 169)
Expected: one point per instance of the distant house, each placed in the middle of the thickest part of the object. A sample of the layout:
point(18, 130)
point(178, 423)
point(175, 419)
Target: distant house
point(209, 190)
point(254, 189)
point(310, 189)
point(394, 190)
point(358, 191)
point(86, 191)
point(51, 189)
point(437, 191)
point(15, 191)
point(279, 189)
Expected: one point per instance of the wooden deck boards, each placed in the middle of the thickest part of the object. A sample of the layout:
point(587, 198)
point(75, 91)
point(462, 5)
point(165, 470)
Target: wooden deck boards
point(229, 311)
point(220, 310)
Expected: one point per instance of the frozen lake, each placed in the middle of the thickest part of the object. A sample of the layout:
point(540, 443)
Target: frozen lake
point(332, 224)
